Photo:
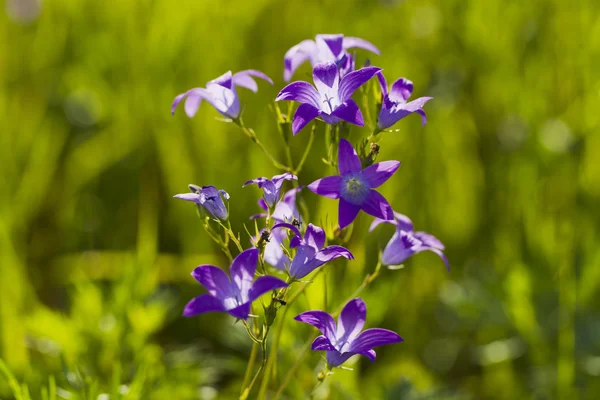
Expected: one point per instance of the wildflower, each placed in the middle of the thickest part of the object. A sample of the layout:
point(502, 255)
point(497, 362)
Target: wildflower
point(310, 253)
point(221, 93)
point(324, 48)
point(209, 198)
point(345, 339)
point(354, 186)
point(407, 242)
point(394, 106)
point(232, 296)
point(271, 187)
point(331, 100)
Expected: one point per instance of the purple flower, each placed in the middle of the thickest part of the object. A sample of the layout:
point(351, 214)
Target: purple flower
point(209, 198)
point(324, 48)
point(354, 186)
point(233, 296)
point(221, 93)
point(394, 106)
point(407, 242)
point(345, 339)
point(310, 253)
point(332, 98)
point(271, 187)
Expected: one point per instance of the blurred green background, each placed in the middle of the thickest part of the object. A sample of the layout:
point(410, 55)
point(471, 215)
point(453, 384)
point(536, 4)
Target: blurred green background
point(95, 254)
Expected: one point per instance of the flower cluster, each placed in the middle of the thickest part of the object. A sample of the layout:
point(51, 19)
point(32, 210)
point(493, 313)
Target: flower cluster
point(287, 246)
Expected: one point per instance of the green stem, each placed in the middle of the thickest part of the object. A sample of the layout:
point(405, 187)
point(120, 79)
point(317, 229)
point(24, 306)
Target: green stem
point(250, 133)
point(263, 348)
point(250, 365)
point(307, 150)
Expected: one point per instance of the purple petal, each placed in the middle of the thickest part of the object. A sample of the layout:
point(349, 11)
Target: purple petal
point(354, 42)
point(224, 80)
point(242, 270)
point(369, 353)
point(193, 98)
point(300, 91)
point(288, 226)
point(382, 83)
point(335, 358)
point(377, 174)
point(428, 240)
point(348, 161)
point(304, 114)
point(377, 206)
point(401, 90)
point(214, 280)
point(334, 43)
point(274, 254)
point(441, 254)
point(320, 320)
point(398, 250)
point(347, 212)
point(195, 197)
point(286, 209)
point(314, 236)
point(389, 116)
point(354, 80)
point(332, 252)
point(244, 79)
point(279, 179)
point(327, 187)
point(241, 312)
point(302, 264)
point(202, 304)
point(326, 78)
point(223, 99)
point(322, 343)
point(402, 222)
point(372, 338)
point(297, 55)
point(350, 322)
point(263, 285)
point(349, 111)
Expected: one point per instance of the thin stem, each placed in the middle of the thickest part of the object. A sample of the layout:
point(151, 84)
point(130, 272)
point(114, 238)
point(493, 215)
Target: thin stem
point(263, 348)
point(307, 150)
point(229, 232)
point(250, 133)
point(320, 378)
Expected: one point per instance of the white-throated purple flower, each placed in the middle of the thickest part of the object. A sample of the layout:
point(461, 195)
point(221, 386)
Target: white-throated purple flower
point(345, 339)
point(394, 106)
point(271, 187)
point(331, 100)
point(310, 253)
point(209, 198)
point(221, 93)
point(355, 186)
point(234, 295)
point(407, 242)
point(325, 47)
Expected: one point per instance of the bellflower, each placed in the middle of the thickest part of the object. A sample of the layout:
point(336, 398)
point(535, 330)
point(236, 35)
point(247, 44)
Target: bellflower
point(310, 253)
point(355, 186)
point(324, 48)
point(271, 187)
point(331, 100)
point(345, 339)
point(221, 93)
point(232, 296)
point(407, 242)
point(394, 106)
point(209, 198)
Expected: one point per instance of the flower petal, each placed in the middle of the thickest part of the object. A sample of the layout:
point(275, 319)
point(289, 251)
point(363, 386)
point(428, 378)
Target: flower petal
point(322, 343)
point(224, 80)
point(355, 79)
point(288, 226)
point(349, 111)
point(347, 212)
point(302, 264)
point(382, 83)
point(348, 161)
point(354, 42)
point(401, 90)
point(202, 304)
point(369, 353)
point(304, 114)
point(314, 236)
point(377, 174)
point(242, 270)
point(350, 323)
point(333, 42)
point(377, 206)
point(241, 312)
point(214, 280)
point(429, 240)
point(296, 56)
point(279, 179)
point(326, 77)
point(300, 91)
point(441, 254)
point(389, 116)
point(372, 338)
point(335, 358)
point(263, 285)
point(320, 320)
point(332, 252)
point(396, 251)
point(244, 79)
point(223, 99)
point(195, 197)
point(402, 222)
point(286, 209)
point(327, 187)
point(314, 261)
